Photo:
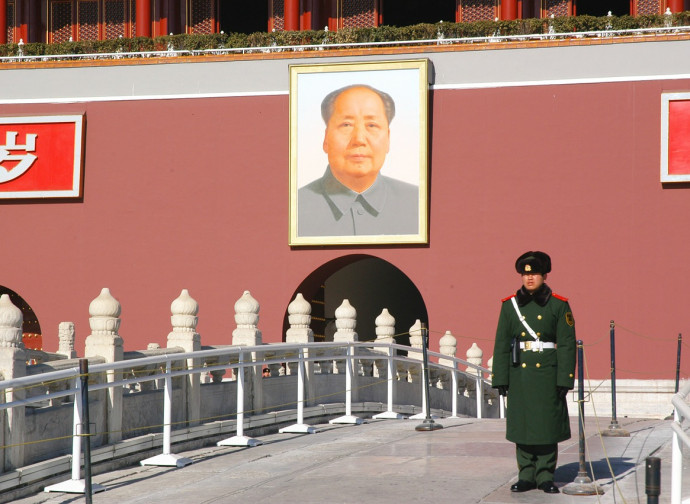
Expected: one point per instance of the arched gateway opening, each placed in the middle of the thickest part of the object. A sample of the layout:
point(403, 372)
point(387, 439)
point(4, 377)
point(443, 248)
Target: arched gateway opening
point(370, 284)
point(31, 329)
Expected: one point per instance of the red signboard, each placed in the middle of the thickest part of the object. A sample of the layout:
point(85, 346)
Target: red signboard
point(41, 156)
point(679, 137)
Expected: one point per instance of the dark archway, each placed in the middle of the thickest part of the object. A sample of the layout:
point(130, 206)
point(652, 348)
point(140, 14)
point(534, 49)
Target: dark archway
point(411, 12)
point(602, 7)
point(31, 329)
point(370, 284)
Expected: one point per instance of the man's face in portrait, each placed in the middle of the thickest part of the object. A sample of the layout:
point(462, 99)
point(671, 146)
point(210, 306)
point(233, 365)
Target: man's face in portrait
point(357, 138)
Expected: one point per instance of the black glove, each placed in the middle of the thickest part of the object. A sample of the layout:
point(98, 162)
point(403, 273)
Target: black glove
point(562, 392)
point(503, 390)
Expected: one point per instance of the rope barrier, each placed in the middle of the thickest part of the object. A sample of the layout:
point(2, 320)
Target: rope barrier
point(644, 336)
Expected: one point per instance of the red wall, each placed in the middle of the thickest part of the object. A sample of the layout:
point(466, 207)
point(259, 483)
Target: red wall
point(193, 193)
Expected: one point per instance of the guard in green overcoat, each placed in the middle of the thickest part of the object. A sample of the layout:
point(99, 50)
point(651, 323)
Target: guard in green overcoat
point(534, 366)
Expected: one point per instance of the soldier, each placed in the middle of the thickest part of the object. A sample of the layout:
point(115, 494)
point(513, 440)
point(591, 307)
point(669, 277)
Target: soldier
point(534, 365)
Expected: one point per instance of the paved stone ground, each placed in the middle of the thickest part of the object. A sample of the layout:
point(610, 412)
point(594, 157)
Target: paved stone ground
point(388, 461)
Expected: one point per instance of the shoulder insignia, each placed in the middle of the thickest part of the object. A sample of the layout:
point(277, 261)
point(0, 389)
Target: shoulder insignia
point(506, 299)
point(557, 296)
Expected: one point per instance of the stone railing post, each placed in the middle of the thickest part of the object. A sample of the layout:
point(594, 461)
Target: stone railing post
point(104, 341)
point(447, 346)
point(385, 330)
point(66, 338)
point(12, 365)
point(299, 317)
point(416, 340)
point(247, 334)
point(474, 356)
point(345, 324)
point(184, 320)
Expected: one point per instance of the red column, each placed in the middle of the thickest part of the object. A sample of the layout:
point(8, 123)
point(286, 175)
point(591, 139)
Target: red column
point(675, 5)
point(20, 21)
point(306, 17)
point(3, 21)
point(291, 15)
point(508, 9)
point(143, 18)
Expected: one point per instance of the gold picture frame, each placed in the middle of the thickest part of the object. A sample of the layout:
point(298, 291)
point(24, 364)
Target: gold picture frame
point(366, 190)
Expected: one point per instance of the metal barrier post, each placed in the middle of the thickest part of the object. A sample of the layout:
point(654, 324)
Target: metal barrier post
point(348, 418)
point(676, 463)
point(80, 428)
point(652, 485)
point(167, 458)
point(84, 375)
point(428, 424)
point(480, 393)
point(582, 484)
point(680, 342)
point(300, 427)
point(614, 429)
point(240, 439)
point(389, 414)
point(454, 390)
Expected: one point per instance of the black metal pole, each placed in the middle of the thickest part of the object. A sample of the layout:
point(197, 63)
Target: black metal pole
point(614, 429)
point(614, 420)
point(680, 341)
point(652, 480)
point(582, 484)
point(428, 423)
point(84, 375)
point(582, 472)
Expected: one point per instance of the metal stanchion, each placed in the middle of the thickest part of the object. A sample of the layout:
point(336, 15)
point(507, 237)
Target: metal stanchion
point(428, 424)
point(84, 372)
point(680, 342)
point(80, 433)
point(614, 429)
point(652, 479)
point(582, 484)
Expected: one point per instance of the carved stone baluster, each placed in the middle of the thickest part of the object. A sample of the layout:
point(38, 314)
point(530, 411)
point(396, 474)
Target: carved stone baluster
point(105, 341)
point(416, 341)
point(248, 334)
point(447, 346)
point(345, 323)
point(474, 356)
point(12, 365)
point(385, 330)
point(66, 338)
point(299, 317)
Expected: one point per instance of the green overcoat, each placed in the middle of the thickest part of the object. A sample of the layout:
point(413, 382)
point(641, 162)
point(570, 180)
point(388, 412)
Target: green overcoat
point(535, 414)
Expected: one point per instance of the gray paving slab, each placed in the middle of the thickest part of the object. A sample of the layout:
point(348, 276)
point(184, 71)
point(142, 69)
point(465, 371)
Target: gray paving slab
point(385, 461)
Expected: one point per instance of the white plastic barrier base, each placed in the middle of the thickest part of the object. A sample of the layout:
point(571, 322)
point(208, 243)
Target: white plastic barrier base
point(167, 460)
point(74, 486)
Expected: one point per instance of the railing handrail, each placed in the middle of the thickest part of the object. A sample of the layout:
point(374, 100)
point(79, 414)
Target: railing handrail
point(351, 45)
point(282, 348)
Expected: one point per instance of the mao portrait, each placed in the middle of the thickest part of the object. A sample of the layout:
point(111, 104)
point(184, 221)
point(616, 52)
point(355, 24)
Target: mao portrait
point(358, 172)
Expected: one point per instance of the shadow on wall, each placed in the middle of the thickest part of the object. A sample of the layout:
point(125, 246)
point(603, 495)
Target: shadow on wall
point(370, 284)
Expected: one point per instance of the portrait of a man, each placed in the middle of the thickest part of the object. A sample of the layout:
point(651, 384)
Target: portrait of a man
point(352, 197)
point(357, 196)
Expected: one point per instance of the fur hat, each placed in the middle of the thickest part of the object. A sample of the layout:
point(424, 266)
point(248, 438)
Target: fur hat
point(533, 262)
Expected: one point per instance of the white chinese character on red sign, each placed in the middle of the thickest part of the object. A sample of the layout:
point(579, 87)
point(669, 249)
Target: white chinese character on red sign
point(25, 160)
